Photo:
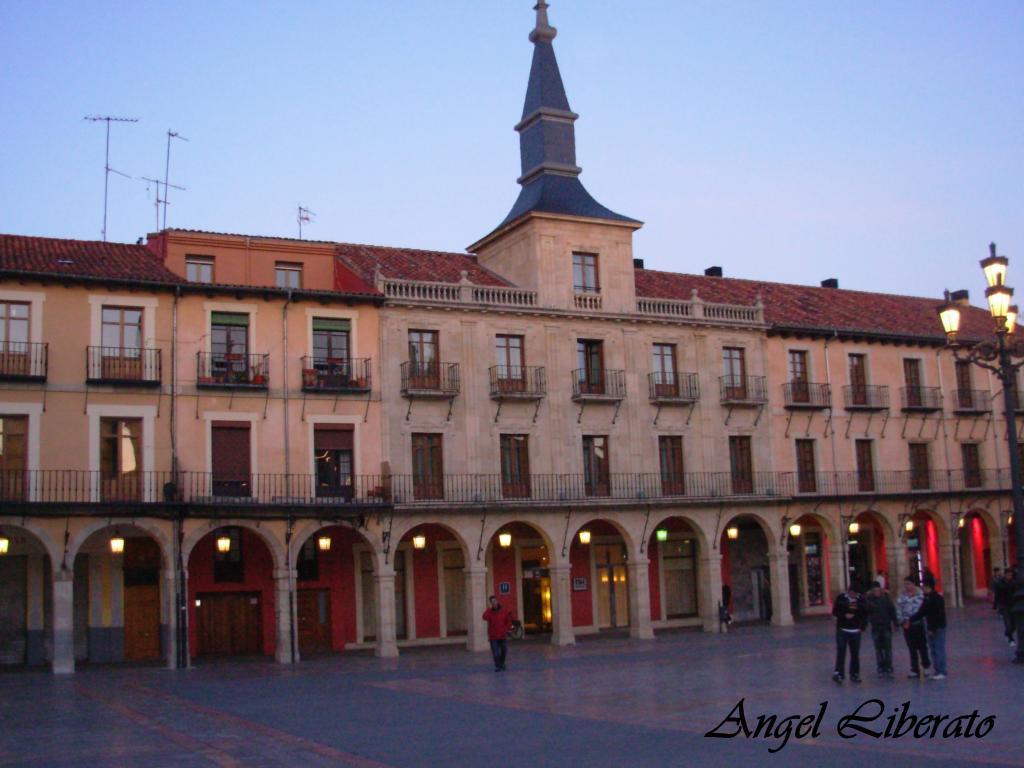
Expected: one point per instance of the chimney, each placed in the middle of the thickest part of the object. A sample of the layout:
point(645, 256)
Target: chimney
point(830, 282)
point(961, 297)
point(713, 272)
point(638, 263)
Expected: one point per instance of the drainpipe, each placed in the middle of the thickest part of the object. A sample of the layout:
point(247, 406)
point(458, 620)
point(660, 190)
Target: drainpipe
point(174, 383)
point(288, 473)
point(181, 595)
point(835, 474)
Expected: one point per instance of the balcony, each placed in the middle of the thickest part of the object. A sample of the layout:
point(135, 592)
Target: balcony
point(668, 388)
point(121, 366)
point(430, 380)
point(232, 371)
point(517, 382)
point(972, 401)
point(23, 361)
point(805, 395)
point(921, 399)
point(896, 482)
point(335, 375)
point(602, 385)
point(743, 390)
point(866, 397)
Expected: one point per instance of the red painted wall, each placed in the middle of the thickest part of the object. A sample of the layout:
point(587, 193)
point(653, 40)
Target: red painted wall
point(930, 547)
point(258, 572)
point(503, 568)
point(582, 602)
point(336, 572)
point(881, 562)
point(979, 543)
point(653, 580)
point(426, 586)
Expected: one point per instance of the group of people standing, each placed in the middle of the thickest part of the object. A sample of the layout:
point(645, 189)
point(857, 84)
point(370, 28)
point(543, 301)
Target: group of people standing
point(919, 611)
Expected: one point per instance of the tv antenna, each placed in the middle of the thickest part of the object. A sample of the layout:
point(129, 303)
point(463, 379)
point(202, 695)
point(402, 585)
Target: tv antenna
point(108, 119)
point(157, 201)
point(167, 170)
point(305, 215)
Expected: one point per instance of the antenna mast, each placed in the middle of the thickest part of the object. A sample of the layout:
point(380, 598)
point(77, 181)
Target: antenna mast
point(158, 200)
point(108, 119)
point(167, 169)
point(305, 215)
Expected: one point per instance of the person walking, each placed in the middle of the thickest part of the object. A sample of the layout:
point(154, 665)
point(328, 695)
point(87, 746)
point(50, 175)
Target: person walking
point(882, 617)
point(933, 613)
point(1002, 601)
point(499, 622)
point(913, 631)
point(851, 615)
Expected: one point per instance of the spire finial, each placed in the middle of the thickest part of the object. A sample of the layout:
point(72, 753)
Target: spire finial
point(543, 32)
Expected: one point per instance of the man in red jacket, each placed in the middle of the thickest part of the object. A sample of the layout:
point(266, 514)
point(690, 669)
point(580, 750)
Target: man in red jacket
point(499, 622)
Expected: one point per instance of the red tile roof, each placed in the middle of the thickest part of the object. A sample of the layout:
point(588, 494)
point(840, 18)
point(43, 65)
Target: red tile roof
point(413, 264)
point(813, 308)
point(82, 258)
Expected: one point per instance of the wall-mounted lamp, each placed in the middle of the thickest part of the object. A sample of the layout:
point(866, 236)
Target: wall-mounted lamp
point(223, 544)
point(854, 528)
point(505, 539)
point(661, 534)
point(116, 545)
point(584, 537)
point(732, 532)
point(419, 541)
point(794, 530)
point(324, 543)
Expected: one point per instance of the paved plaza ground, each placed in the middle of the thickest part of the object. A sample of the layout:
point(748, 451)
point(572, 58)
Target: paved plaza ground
point(609, 701)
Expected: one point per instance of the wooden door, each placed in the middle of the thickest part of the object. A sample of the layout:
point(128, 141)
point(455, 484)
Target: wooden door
point(142, 622)
point(314, 617)
point(230, 458)
point(229, 624)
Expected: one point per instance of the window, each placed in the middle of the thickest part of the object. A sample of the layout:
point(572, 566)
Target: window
point(800, 392)
point(510, 355)
point(288, 275)
point(972, 464)
point(424, 371)
point(229, 347)
point(590, 364)
point(199, 269)
point(307, 564)
point(596, 479)
point(865, 465)
point(427, 467)
point(805, 470)
point(670, 453)
point(741, 464)
point(912, 380)
point(663, 364)
point(679, 563)
point(230, 458)
point(331, 352)
point(228, 566)
point(332, 454)
point(121, 343)
point(13, 457)
point(734, 369)
point(14, 319)
point(584, 273)
point(964, 386)
point(858, 379)
point(120, 459)
point(920, 476)
point(515, 466)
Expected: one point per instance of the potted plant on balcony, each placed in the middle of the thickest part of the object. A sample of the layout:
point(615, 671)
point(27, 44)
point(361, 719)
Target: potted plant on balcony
point(309, 378)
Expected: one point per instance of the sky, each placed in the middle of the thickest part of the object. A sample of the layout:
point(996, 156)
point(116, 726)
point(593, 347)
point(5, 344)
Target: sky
point(879, 143)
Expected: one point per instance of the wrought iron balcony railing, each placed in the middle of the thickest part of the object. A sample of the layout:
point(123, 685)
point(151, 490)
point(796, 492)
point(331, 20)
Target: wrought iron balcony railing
point(229, 371)
point(972, 401)
point(123, 366)
point(518, 382)
point(430, 379)
point(866, 397)
point(335, 374)
point(672, 387)
point(743, 390)
point(925, 399)
point(23, 361)
point(807, 395)
point(598, 384)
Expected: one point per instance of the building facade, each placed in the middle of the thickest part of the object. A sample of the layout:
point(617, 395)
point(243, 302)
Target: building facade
point(285, 447)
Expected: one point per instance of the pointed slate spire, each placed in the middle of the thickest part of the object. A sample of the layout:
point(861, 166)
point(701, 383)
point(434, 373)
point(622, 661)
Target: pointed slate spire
point(547, 139)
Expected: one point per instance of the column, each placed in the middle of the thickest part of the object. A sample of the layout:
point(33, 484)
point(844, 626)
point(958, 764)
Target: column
point(778, 563)
point(387, 645)
point(639, 599)
point(896, 554)
point(169, 617)
point(952, 584)
point(476, 604)
point(63, 621)
point(284, 605)
point(561, 605)
point(710, 575)
point(35, 614)
point(838, 567)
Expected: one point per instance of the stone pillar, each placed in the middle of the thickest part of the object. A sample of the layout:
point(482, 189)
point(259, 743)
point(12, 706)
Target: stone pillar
point(284, 617)
point(709, 571)
point(778, 564)
point(63, 622)
point(387, 644)
point(952, 584)
point(169, 617)
point(896, 554)
point(639, 585)
point(476, 604)
point(561, 605)
point(838, 567)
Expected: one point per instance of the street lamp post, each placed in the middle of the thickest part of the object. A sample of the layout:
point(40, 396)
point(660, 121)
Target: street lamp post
point(999, 357)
